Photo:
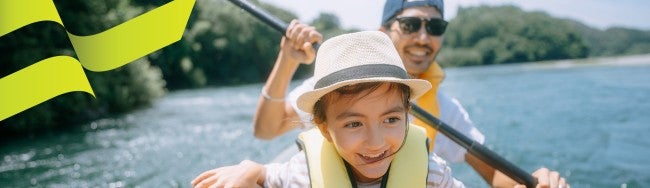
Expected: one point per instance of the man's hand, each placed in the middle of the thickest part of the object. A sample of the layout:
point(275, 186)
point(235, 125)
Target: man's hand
point(548, 179)
point(298, 41)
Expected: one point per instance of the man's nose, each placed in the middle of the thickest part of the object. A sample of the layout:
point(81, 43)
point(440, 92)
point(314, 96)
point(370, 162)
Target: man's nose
point(421, 36)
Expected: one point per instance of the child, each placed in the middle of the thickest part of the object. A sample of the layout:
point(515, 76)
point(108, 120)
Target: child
point(360, 105)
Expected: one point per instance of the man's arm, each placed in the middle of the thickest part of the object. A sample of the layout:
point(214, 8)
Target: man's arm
point(489, 174)
point(495, 178)
point(274, 115)
point(454, 113)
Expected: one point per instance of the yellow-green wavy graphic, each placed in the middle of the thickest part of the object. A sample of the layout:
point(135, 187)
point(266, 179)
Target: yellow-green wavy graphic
point(103, 51)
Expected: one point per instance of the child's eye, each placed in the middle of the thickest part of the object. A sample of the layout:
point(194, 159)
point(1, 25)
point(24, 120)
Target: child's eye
point(353, 124)
point(392, 120)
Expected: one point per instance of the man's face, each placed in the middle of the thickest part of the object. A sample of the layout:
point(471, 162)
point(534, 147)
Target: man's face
point(367, 130)
point(417, 49)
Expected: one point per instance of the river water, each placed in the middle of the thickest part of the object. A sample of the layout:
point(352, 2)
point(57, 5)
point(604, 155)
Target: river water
point(587, 119)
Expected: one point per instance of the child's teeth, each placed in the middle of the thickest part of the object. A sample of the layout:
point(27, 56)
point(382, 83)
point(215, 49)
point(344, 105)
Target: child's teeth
point(372, 156)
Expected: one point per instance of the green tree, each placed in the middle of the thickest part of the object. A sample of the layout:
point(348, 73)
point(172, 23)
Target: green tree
point(116, 91)
point(615, 40)
point(329, 25)
point(223, 45)
point(507, 34)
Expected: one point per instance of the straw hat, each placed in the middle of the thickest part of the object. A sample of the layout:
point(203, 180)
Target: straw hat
point(367, 56)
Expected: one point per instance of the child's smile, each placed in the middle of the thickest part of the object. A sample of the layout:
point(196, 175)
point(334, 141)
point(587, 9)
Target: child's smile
point(367, 129)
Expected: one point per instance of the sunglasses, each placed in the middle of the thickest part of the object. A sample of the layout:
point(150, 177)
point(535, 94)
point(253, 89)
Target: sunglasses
point(434, 26)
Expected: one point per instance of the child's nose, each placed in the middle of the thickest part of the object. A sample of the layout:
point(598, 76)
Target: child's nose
point(374, 138)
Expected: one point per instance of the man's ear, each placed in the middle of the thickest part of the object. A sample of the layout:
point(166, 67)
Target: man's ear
point(325, 132)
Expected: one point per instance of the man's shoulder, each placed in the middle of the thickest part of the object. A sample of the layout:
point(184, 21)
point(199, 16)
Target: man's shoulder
point(451, 111)
point(447, 102)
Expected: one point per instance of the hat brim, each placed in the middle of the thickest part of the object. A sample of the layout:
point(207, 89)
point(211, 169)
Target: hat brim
point(307, 100)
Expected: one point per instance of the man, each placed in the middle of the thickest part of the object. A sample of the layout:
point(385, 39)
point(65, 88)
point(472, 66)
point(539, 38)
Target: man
point(416, 29)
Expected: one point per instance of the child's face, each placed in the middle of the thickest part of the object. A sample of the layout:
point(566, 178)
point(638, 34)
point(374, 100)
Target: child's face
point(367, 129)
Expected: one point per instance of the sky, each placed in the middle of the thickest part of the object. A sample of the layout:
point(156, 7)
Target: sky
point(366, 14)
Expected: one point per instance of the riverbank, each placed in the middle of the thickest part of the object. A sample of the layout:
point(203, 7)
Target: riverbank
point(641, 59)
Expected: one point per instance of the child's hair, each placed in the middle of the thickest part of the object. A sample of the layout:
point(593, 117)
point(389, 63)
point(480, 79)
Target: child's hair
point(320, 106)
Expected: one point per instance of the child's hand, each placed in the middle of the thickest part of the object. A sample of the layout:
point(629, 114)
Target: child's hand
point(245, 174)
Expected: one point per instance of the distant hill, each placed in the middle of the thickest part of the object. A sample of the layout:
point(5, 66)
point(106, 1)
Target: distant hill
point(613, 41)
point(486, 35)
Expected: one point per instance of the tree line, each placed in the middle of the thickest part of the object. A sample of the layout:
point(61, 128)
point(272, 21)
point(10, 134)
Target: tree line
point(223, 45)
point(486, 35)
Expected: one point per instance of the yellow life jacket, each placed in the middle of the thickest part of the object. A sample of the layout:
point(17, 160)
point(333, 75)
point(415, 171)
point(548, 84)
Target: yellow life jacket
point(429, 101)
point(409, 168)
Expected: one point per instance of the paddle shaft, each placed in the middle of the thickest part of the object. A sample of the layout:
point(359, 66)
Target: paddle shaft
point(261, 14)
point(265, 17)
point(478, 150)
point(483, 153)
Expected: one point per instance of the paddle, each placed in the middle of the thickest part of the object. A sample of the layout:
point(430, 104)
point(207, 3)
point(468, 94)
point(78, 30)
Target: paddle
point(478, 150)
